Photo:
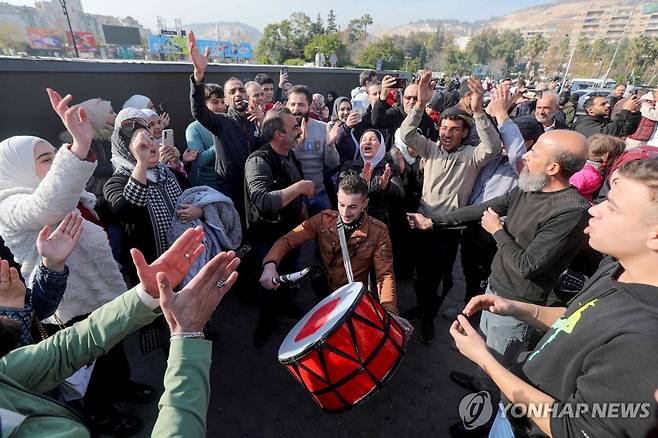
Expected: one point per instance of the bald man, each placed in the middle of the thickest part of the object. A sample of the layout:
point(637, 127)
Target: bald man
point(546, 110)
point(543, 232)
point(388, 119)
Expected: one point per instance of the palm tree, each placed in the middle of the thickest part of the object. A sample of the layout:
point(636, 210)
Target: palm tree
point(534, 47)
point(366, 20)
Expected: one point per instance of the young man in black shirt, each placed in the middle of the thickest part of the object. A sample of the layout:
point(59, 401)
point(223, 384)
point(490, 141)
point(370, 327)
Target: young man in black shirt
point(543, 232)
point(598, 358)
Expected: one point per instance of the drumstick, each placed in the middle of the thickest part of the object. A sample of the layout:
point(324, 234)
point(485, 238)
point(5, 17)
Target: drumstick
point(290, 278)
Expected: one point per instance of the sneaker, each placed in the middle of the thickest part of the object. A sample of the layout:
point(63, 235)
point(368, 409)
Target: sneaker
point(451, 313)
point(413, 314)
point(464, 380)
point(427, 331)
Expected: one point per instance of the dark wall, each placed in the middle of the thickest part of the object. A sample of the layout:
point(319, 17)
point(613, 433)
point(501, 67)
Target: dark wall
point(26, 110)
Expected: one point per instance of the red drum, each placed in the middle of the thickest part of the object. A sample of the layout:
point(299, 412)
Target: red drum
point(344, 349)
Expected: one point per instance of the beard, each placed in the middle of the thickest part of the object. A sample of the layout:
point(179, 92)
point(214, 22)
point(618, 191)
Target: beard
point(241, 106)
point(299, 116)
point(532, 183)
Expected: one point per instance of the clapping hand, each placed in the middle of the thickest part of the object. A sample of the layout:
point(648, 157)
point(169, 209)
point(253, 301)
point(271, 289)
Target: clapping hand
point(386, 177)
point(175, 262)
point(366, 173)
point(76, 122)
point(191, 308)
point(55, 248)
point(12, 289)
point(199, 61)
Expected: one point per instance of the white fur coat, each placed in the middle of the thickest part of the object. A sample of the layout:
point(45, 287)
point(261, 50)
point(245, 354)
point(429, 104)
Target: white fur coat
point(94, 274)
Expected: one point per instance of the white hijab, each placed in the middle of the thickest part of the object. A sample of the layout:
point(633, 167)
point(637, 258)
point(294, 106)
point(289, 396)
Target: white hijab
point(137, 101)
point(17, 165)
point(402, 146)
point(379, 155)
point(97, 111)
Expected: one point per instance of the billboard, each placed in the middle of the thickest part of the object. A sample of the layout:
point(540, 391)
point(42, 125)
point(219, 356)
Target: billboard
point(45, 39)
point(86, 41)
point(245, 51)
point(121, 35)
point(216, 49)
point(168, 45)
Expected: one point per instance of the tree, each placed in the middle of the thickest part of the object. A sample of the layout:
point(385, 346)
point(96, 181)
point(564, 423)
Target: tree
point(455, 62)
point(366, 20)
point(480, 47)
point(331, 22)
point(327, 44)
point(355, 30)
point(286, 39)
point(507, 49)
point(534, 47)
point(385, 49)
point(642, 52)
point(317, 28)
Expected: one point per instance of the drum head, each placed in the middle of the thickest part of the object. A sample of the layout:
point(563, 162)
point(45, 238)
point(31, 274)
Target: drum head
point(318, 323)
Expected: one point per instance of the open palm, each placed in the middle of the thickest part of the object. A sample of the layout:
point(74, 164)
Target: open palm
point(56, 247)
point(200, 61)
point(175, 262)
point(74, 118)
point(425, 90)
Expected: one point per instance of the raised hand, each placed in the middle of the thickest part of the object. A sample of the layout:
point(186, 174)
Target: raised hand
point(477, 96)
point(199, 61)
point(425, 90)
point(333, 133)
point(388, 82)
point(169, 154)
point(632, 104)
point(500, 103)
point(76, 122)
point(386, 177)
point(55, 248)
point(353, 119)
point(174, 262)
point(12, 289)
point(303, 127)
point(165, 119)
point(191, 308)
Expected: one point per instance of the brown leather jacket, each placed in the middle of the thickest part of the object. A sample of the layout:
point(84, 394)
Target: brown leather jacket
point(369, 245)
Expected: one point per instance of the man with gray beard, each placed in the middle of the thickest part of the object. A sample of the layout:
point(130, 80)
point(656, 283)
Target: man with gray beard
point(543, 231)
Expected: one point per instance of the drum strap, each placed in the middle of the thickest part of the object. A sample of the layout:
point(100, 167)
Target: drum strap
point(343, 247)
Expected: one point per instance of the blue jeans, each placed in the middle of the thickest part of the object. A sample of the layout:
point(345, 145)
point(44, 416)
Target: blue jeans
point(319, 202)
point(501, 427)
point(506, 337)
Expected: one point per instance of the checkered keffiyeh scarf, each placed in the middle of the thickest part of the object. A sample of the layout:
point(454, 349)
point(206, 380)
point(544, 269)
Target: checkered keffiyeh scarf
point(162, 191)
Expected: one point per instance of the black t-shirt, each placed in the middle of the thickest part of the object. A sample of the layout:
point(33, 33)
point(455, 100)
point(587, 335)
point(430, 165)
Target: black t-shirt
point(604, 349)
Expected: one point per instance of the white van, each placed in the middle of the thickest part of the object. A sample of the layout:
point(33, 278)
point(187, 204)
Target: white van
point(582, 83)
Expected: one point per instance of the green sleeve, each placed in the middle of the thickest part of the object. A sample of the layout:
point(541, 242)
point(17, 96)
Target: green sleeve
point(184, 404)
point(45, 365)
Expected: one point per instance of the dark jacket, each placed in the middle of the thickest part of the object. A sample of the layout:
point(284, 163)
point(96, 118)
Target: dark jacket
point(625, 124)
point(378, 199)
point(235, 138)
point(266, 174)
point(135, 220)
point(388, 119)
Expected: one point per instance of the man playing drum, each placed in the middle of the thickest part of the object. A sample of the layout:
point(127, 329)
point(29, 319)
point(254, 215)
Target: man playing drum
point(368, 244)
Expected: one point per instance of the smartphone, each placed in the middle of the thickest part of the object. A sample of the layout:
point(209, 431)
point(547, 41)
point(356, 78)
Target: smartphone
point(284, 71)
point(168, 137)
point(400, 83)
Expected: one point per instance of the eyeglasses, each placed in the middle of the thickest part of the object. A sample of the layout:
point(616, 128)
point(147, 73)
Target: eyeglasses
point(132, 124)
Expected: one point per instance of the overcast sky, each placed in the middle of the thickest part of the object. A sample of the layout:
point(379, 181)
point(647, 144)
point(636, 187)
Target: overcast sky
point(261, 12)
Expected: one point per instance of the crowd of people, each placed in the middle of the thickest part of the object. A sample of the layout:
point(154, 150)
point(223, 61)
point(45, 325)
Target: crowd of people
point(554, 215)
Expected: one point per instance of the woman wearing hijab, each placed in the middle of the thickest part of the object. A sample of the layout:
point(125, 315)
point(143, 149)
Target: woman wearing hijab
point(380, 173)
point(352, 126)
point(143, 191)
point(139, 102)
point(39, 186)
